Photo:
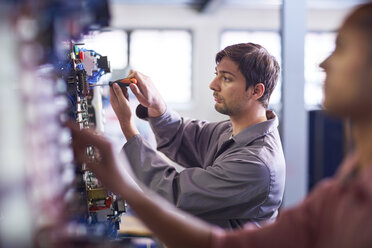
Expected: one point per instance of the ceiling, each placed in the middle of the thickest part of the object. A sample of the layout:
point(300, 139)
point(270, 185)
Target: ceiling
point(213, 5)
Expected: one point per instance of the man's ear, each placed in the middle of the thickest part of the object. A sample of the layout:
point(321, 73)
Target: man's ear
point(258, 90)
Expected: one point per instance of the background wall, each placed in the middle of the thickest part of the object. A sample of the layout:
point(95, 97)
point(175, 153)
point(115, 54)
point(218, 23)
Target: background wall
point(206, 29)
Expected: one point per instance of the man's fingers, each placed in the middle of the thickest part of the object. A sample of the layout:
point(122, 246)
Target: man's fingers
point(136, 91)
point(141, 78)
point(125, 91)
point(119, 93)
point(113, 98)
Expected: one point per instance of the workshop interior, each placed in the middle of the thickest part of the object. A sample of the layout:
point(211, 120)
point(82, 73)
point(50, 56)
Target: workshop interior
point(58, 59)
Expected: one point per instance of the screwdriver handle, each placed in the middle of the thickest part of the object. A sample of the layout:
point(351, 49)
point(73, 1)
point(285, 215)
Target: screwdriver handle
point(124, 82)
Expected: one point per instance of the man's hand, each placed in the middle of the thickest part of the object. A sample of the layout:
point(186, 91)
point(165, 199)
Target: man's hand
point(147, 94)
point(121, 107)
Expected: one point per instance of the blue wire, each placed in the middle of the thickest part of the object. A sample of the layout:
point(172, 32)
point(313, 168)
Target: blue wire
point(80, 66)
point(96, 76)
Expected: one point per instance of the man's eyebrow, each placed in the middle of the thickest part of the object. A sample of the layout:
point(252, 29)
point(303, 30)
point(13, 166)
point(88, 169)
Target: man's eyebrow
point(226, 72)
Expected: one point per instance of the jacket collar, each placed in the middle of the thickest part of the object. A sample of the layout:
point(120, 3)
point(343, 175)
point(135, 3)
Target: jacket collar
point(253, 132)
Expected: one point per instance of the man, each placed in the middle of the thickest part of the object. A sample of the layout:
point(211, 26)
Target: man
point(234, 170)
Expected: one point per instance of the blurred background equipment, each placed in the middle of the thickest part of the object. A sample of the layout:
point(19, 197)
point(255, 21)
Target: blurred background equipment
point(45, 199)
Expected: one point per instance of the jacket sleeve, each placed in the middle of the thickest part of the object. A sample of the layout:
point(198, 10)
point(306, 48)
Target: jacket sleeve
point(199, 190)
point(182, 140)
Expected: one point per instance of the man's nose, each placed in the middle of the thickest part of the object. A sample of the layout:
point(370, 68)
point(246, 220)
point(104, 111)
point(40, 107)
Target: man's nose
point(214, 85)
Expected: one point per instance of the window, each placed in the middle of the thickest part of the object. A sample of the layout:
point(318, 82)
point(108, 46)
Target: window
point(165, 56)
point(112, 44)
point(318, 46)
point(268, 39)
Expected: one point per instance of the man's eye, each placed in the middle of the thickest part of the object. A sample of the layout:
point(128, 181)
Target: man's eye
point(215, 73)
point(226, 79)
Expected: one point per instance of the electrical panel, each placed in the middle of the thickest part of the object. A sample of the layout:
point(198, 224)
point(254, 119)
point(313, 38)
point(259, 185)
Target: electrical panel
point(83, 70)
point(46, 199)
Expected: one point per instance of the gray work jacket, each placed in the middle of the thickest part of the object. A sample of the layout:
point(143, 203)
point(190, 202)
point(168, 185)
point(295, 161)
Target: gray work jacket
point(228, 180)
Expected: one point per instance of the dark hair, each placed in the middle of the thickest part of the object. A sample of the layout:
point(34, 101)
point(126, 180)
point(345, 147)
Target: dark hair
point(361, 18)
point(256, 64)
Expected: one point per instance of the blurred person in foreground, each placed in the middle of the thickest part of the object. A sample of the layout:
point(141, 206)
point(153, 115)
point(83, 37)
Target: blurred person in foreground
point(337, 213)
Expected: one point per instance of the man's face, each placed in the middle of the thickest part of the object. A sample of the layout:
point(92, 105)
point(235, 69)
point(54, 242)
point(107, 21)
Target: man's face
point(348, 84)
point(229, 91)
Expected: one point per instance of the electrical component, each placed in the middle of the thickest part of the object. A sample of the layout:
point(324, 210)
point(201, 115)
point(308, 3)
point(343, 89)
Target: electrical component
point(86, 68)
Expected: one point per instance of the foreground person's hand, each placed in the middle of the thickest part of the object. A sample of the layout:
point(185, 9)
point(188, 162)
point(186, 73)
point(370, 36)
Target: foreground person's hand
point(106, 166)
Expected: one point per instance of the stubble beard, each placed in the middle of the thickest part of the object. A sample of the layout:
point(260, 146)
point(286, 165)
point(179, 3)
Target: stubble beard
point(225, 110)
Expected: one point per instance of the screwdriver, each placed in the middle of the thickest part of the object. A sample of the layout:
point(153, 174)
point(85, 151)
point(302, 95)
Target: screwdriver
point(121, 82)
